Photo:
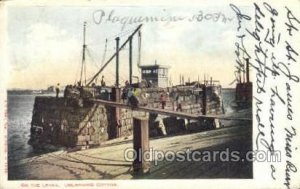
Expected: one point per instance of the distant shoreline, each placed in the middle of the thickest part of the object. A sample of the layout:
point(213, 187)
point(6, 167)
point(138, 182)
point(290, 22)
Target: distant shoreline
point(29, 92)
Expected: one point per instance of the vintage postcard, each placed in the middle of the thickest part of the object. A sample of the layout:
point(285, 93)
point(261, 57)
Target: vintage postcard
point(125, 94)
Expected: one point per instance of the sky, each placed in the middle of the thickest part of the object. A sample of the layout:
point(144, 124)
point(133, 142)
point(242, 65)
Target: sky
point(45, 42)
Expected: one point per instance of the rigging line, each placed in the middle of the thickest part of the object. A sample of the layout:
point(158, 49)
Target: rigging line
point(104, 54)
point(77, 72)
point(106, 50)
point(121, 76)
point(235, 80)
point(128, 30)
point(102, 42)
point(98, 57)
point(89, 79)
point(114, 55)
point(94, 61)
point(92, 58)
point(110, 72)
point(81, 71)
point(112, 38)
point(89, 51)
point(120, 34)
point(124, 34)
point(84, 73)
point(95, 55)
point(91, 54)
point(83, 67)
point(111, 75)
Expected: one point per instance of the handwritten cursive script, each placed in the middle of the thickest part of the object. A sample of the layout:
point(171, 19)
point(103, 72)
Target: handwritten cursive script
point(273, 56)
point(111, 16)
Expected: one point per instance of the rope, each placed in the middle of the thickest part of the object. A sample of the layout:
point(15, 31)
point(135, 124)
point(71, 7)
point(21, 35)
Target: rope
point(77, 72)
point(104, 54)
point(92, 58)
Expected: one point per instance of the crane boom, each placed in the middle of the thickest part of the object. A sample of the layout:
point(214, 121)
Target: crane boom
point(114, 55)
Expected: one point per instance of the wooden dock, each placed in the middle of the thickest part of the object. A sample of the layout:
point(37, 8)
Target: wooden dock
point(107, 162)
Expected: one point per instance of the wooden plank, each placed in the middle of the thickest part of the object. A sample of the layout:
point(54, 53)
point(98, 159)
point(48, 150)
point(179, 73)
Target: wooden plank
point(168, 112)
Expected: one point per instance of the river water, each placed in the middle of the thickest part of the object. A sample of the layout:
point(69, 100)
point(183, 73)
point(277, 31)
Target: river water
point(19, 110)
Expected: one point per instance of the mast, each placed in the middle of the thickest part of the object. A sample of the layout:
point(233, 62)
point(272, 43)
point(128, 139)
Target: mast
point(140, 46)
point(247, 71)
point(130, 60)
point(83, 65)
point(117, 61)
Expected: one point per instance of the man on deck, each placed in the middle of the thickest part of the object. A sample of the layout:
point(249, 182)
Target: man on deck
point(163, 100)
point(57, 90)
point(102, 82)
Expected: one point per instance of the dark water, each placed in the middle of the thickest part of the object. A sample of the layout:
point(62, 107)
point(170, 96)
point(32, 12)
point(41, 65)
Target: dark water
point(19, 121)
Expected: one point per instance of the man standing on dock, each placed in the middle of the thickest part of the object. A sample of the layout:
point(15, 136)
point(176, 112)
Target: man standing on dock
point(178, 103)
point(102, 82)
point(57, 90)
point(163, 100)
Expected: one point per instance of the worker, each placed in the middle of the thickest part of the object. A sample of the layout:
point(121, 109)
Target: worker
point(162, 100)
point(57, 90)
point(125, 91)
point(178, 103)
point(102, 81)
point(150, 84)
point(132, 98)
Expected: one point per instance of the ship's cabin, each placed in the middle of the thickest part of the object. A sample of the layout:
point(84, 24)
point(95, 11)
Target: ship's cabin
point(155, 75)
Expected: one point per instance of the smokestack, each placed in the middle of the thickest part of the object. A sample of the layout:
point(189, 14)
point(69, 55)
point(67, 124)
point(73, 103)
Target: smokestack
point(247, 70)
point(130, 60)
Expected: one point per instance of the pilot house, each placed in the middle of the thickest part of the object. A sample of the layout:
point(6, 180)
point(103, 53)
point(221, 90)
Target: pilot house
point(155, 74)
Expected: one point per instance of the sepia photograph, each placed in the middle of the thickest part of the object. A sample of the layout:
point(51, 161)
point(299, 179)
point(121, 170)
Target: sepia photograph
point(99, 93)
